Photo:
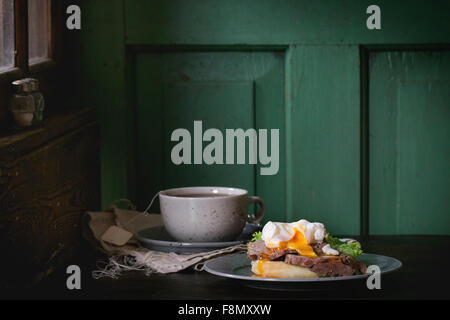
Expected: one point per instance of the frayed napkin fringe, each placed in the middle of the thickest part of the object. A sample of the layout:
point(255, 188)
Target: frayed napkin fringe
point(150, 262)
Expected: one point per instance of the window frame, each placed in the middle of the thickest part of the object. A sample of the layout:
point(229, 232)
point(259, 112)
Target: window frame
point(22, 66)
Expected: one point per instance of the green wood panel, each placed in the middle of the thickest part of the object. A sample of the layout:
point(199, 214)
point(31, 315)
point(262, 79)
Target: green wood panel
point(225, 90)
point(323, 162)
point(263, 22)
point(319, 177)
point(103, 83)
point(270, 102)
point(220, 105)
point(409, 143)
point(148, 131)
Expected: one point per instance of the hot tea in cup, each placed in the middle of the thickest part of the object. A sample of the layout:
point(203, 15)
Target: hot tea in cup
point(207, 214)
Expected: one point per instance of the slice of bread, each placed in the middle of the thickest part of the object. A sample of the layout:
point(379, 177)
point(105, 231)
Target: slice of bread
point(280, 269)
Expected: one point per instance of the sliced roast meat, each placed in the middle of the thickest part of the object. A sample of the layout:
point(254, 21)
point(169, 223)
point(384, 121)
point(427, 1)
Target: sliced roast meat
point(278, 254)
point(255, 249)
point(317, 247)
point(357, 265)
point(258, 250)
point(361, 267)
point(347, 259)
point(323, 266)
point(303, 261)
point(332, 269)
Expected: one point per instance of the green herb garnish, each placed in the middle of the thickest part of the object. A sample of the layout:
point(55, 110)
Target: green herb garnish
point(352, 249)
point(256, 236)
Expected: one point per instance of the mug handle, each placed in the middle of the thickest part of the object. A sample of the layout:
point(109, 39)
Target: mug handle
point(262, 209)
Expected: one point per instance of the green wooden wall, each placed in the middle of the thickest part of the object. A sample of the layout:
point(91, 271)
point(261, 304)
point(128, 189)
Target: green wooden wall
point(224, 90)
point(103, 79)
point(410, 142)
point(323, 169)
point(310, 68)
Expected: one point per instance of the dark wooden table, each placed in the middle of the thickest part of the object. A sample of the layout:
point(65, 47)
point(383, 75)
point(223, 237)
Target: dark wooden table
point(424, 275)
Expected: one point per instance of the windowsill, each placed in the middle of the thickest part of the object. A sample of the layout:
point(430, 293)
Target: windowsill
point(20, 140)
point(9, 75)
point(39, 65)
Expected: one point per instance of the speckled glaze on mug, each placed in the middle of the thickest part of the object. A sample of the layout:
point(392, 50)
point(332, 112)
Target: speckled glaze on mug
point(206, 214)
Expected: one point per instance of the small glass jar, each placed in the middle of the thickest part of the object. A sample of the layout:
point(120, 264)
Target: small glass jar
point(27, 103)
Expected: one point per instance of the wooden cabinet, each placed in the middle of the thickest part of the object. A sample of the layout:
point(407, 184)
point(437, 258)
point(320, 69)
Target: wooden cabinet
point(49, 177)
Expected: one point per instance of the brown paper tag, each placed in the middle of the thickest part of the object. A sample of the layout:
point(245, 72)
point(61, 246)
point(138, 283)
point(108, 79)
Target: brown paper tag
point(117, 236)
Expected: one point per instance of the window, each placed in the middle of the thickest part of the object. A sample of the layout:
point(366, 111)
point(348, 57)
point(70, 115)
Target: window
point(38, 28)
point(6, 34)
point(28, 34)
point(31, 39)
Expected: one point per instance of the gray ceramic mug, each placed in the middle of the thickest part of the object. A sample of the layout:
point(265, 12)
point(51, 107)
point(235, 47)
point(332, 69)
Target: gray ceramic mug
point(207, 214)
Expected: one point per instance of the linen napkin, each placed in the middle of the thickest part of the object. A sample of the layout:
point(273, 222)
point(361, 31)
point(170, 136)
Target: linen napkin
point(114, 233)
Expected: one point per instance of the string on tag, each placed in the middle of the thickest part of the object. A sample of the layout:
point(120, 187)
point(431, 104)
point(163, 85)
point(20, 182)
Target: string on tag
point(151, 202)
point(145, 212)
point(133, 207)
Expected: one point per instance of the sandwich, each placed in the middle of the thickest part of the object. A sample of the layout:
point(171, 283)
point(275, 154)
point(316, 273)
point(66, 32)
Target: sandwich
point(302, 249)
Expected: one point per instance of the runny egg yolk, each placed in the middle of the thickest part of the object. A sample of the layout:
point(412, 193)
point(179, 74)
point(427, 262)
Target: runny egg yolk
point(298, 242)
point(259, 266)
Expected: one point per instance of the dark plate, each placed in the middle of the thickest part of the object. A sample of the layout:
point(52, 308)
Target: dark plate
point(238, 266)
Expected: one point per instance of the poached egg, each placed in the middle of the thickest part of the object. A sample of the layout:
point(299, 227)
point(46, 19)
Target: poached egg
point(296, 235)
